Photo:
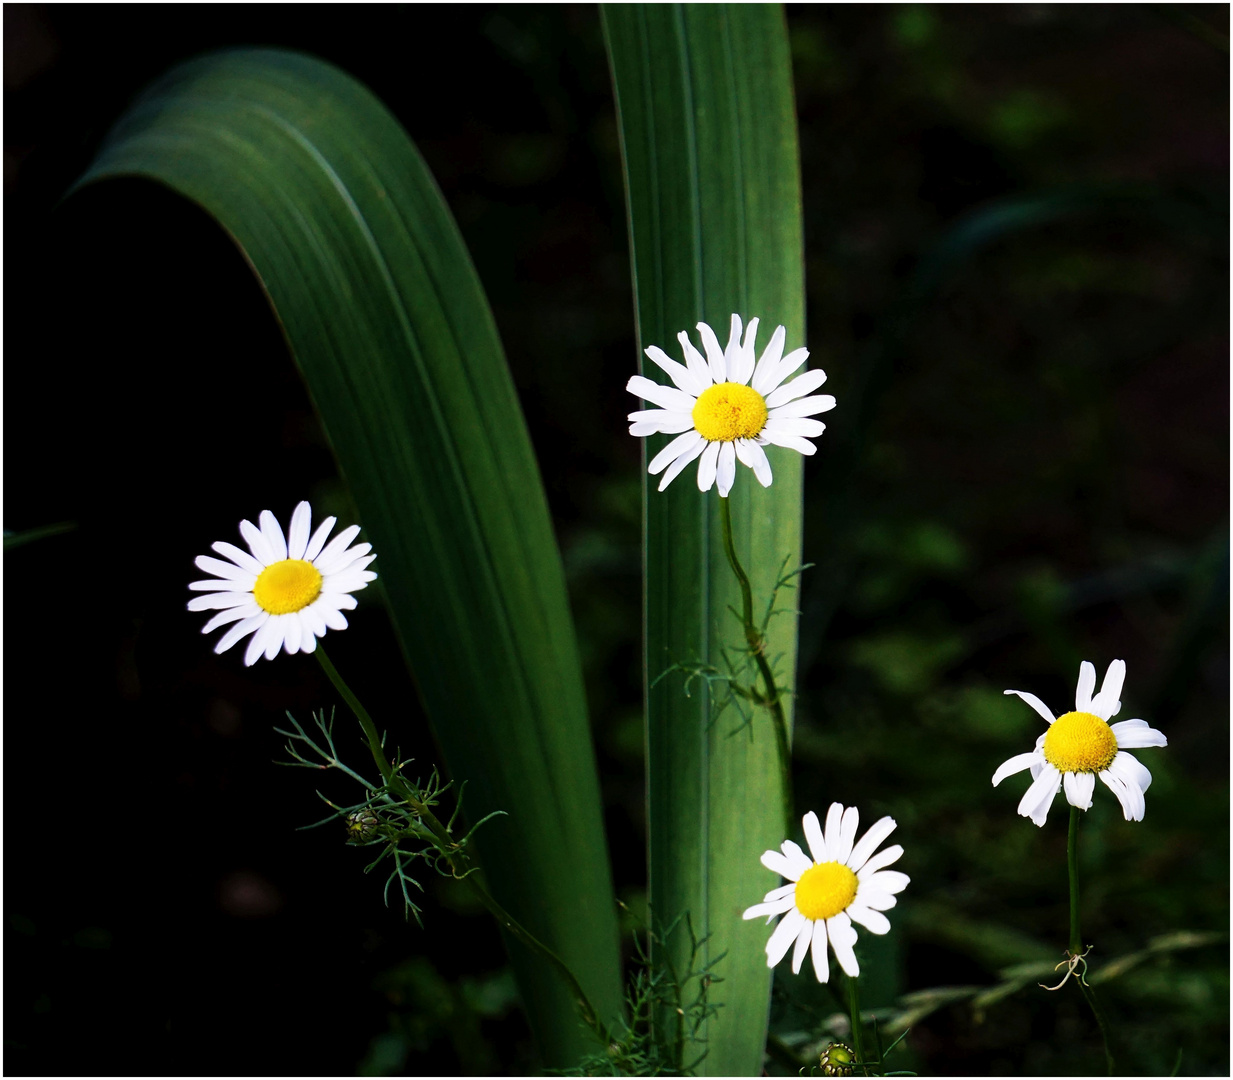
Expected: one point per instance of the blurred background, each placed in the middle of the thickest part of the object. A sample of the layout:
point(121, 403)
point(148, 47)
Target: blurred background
point(1017, 266)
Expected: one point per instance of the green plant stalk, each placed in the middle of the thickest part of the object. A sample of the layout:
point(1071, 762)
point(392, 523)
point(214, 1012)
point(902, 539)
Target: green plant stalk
point(854, 1010)
point(460, 865)
point(1076, 938)
point(757, 647)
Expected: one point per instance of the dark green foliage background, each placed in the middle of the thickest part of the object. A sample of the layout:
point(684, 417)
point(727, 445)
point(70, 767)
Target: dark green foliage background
point(1017, 272)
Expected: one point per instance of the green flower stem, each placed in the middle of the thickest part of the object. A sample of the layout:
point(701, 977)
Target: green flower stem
point(1076, 938)
point(854, 1009)
point(757, 647)
point(460, 864)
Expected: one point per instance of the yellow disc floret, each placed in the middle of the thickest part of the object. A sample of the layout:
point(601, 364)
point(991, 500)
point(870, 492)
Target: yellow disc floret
point(824, 890)
point(1080, 742)
point(287, 586)
point(728, 411)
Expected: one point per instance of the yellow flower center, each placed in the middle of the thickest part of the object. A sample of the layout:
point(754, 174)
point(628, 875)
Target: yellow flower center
point(1080, 742)
point(287, 586)
point(824, 890)
point(728, 411)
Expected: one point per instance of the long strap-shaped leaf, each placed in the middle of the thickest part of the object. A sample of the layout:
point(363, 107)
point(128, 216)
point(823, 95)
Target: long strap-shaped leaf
point(708, 131)
point(365, 268)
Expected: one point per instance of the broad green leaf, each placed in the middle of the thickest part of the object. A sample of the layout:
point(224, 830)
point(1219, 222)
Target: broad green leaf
point(708, 134)
point(341, 221)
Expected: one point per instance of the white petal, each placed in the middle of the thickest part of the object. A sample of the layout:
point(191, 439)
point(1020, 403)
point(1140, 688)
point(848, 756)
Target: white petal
point(876, 899)
point(785, 933)
point(1133, 769)
point(292, 631)
point(675, 468)
point(1039, 797)
point(843, 937)
point(802, 946)
point(744, 366)
point(800, 426)
point(240, 630)
point(256, 645)
point(336, 546)
point(725, 472)
point(685, 379)
point(1108, 702)
point(665, 421)
point(770, 362)
point(803, 384)
point(297, 538)
point(216, 600)
point(884, 881)
point(771, 907)
point(257, 543)
point(1123, 783)
point(231, 573)
point(834, 819)
point(714, 354)
point(817, 952)
point(273, 533)
point(1016, 764)
point(868, 844)
point(786, 366)
point(732, 351)
point(873, 921)
point(813, 837)
point(1135, 734)
point(1079, 788)
point(781, 865)
point(334, 618)
point(695, 361)
point(1084, 688)
point(805, 406)
point(883, 858)
point(314, 621)
point(847, 834)
point(792, 442)
point(780, 892)
point(215, 585)
point(1036, 704)
point(666, 397)
point(238, 556)
point(231, 615)
point(799, 860)
point(707, 466)
point(754, 456)
point(318, 539)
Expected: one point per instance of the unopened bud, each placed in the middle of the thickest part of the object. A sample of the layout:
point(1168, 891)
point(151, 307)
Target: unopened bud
point(837, 1060)
point(361, 825)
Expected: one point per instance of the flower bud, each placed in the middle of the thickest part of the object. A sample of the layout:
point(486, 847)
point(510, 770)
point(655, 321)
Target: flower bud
point(837, 1060)
point(361, 826)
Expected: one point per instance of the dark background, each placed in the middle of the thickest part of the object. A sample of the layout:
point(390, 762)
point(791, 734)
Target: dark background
point(1017, 262)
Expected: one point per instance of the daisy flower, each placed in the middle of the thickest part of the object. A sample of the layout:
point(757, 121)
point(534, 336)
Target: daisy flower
point(725, 407)
point(285, 590)
point(843, 883)
point(1081, 745)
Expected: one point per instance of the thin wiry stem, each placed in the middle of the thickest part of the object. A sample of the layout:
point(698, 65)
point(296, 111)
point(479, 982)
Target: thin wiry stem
point(1076, 938)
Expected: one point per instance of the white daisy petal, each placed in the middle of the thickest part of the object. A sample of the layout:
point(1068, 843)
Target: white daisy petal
point(240, 557)
point(695, 361)
point(714, 354)
point(297, 535)
point(745, 363)
point(733, 348)
point(876, 862)
point(292, 631)
point(337, 546)
point(660, 421)
point(273, 533)
point(877, 899)
point(884, 881)
point(868, 844)
point(780, 892)
point(817, 952)
point(783, 937)
point(1132, 769)
point(792, 442)
point(1124, 783)
point(214, 585)
point(799, 426)
point(778, 862)
point(708, 465)
point(813, 837)
point(754, 456)
point(769, 362)
point(256, 645)
point(275, 635)
point(805, 406)
point(257, 543)
point(803, 384)
point(228, 615)
point(725, 472)
point(799, 861)
point(216, 600)
point(843, 937)
point(834, 819)
point(318, 539)
point(241, 630)
point(802, 946)
point(666, 397)
point(1085, 686)
point(1016, 764)
point(1136, 734)
point(1039, 797)
point(786, 366)
point(674, 470)
point(841, 850)
point(225, 570)
point(1079, 787)
point(1041, 708)
point(770, 907)
point(1108, 702)
point(681, 375)
point(873, 921)
point(315, 621)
